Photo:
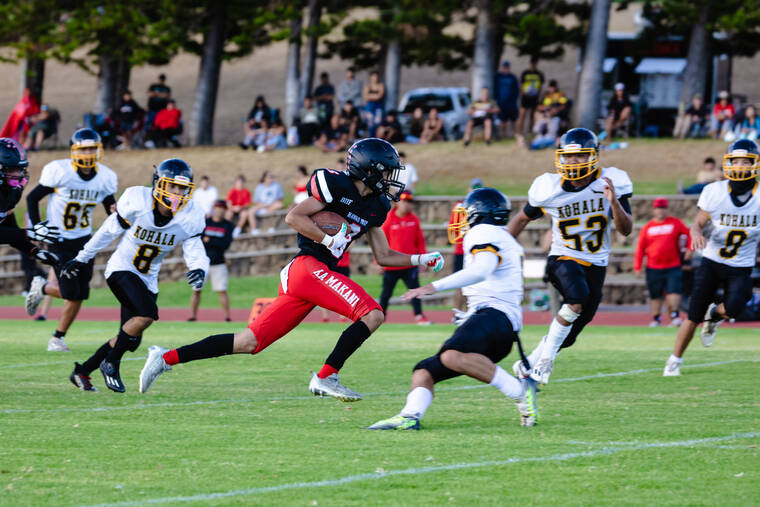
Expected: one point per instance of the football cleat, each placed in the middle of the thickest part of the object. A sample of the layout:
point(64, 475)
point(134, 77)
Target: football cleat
point(57, 345)
point(655, 323)
point(397, 422)
point(519, 369)
point(542, 370)
point(676, 322)
point(35, 295)
point(672, 369)
point(709, 327)
point(80, 380)
point(154, 367)
point(331, 386)
point(420, 320)
point(111, 376)
point(528, 405)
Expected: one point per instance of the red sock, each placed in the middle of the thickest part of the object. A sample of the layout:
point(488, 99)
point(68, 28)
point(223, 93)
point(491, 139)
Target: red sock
point(326, 371)
point(171, 357)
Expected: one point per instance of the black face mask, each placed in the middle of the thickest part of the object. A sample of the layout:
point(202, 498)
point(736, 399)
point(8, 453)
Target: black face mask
point(741, 187)
point(86, 177)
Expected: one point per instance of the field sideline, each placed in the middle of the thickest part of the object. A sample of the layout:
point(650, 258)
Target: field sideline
point(245, 430)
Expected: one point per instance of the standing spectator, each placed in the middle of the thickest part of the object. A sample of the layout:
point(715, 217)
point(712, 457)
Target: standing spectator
point(481, 113)
point(459, 300)
point(416, 126)
point(238, 201)
point(158, 96)
point(217, 237)
point(409, 173)
point(350, 89)
point(325, 95)
point(618, 112)
point(129, 115)
point(390, 129)
point(258, 113)
point(373, 95)
point(750, 126)
point(266, 198)
point(433, 128)
point(167, 126)
point(404, 233)
point(308, 122)
point(333, 138)
point(44, 124)
point(300, 193)
point(709, 173)
point(205, 195)
point(531, 81)
point(507, 93)
point(662, 241)
point(693, 123)
point(350, 120)
point(722, 119)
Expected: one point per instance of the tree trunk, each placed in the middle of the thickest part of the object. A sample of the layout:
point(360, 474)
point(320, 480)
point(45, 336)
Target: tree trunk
point(484, 56)
point(307, 77)
point(33, 76)
point(590, 82)
point(392, 74)
point(108, 84)
point(124, 69)
point(293, 69)
point(202, 121)
point(698, 60)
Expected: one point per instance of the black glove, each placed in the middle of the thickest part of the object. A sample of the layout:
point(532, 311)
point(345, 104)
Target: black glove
point(44, 233)
point(46, 257)
point(72, 268)
point(195, 278)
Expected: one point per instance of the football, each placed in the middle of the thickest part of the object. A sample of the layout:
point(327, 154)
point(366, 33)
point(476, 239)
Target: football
point(328, 221)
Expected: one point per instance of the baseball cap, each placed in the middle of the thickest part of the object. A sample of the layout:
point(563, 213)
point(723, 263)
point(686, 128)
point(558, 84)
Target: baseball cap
point(505, 63)
point(221, 203)
point(723, 94)
point(619, 86)
point(407, 196)
point(476, 183)
point(660, 202)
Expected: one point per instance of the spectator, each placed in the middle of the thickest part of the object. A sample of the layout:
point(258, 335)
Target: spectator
point(459, 300)
point(416, 126)
point(205, 195)
point(390, 129)
point(708, 174)
point(433, 128)
point(299, 187)
point(481, 113)
point(325, 95)
point(129, 116)
point(662, 241)
point(17, 124)
point(238, 201)
point(273, 137)
point(373, 95)
point(350, 89)
point(549, 118)
point(409, 173)
point(693, 123)
point(721, 121)
point(350, 120)
point(750, 125)
point(333, 138)
point(308, 122)
point(167, 126)
point(618, 112)
point(158, 96)
point(44, 125)
point(217, 237)
point(260, 111)
point(507, 93)
point(531, 81)
point(404, 233)
point(266, 198)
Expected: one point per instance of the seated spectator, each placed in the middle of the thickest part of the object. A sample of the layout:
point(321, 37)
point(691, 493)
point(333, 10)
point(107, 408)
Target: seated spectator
point(238, 202)
point(44, 125)
point(324, 94)
point(481, 113)
point(709, 173)
point(548, 118)
point(693, 122)
point(17, 124)
point(167, 126)
point(334, 137)
point(129, 116)
point(416, 126)
point(299, 186)
point(432, 130)
point(390, 129)
point(722, 119)
point(308, 122)
point(619, 112)
point(273, 137)
point(750, 125)
point(373, 95)
point(260, 111)
point(205, 195)
point(350, 119)
point(266, 198)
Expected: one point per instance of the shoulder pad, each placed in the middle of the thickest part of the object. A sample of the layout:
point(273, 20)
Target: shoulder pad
point(133, 202)
point(620, 179)
point(325, 185)
point(112, 179)
point(52, 174)
point(194, 222)
point(542, 188)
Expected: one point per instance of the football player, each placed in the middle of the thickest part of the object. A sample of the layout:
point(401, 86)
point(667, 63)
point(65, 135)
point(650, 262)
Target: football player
point(492, 282)
point(151, 222)
point(732, 206)
point(13, 177)
point(582, 200)
point(75, 186)
point(361, 195)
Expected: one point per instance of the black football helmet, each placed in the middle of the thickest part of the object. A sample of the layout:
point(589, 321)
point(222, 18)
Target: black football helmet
point(170, 173)
point(86, 149)
point(742, 149)
point(376, 163)
point(577, 141)
point(481, 206)
point(13, 164)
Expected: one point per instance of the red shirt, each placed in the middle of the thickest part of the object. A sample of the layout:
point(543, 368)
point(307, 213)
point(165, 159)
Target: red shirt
point(458, 248)
point(728, 109)
point(167, 119)
point(239, 197)
point(404, 235)
point(661, 243)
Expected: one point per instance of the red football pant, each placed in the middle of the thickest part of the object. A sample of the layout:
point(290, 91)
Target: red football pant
point(306, 283)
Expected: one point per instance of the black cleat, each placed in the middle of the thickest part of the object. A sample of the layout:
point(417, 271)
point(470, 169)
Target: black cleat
point(80, 380)
point(111, 376)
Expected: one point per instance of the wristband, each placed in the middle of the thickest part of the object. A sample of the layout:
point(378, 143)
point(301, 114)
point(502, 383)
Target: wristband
point(327, 240)
point(414, 260)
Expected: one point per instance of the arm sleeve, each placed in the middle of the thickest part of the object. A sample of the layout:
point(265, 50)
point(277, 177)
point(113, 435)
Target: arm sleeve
point(625, 204)
point(195, 254)
point(638, 257)
point(533, 212)
point(483, 264)
point(11, 234)
point(109, 231)
point(107, 202)
point(33, 201)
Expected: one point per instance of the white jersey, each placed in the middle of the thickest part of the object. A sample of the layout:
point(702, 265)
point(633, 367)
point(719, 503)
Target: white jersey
point(580, 220)
point(735, 229)
point(503, 288)
point(143, 244)
point(70, 206)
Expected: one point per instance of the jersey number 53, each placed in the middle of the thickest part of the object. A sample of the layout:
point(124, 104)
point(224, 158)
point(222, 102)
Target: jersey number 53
point(595, 224)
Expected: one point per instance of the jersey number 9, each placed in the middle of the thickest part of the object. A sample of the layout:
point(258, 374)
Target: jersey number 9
point(734, 240)
point(144, 257)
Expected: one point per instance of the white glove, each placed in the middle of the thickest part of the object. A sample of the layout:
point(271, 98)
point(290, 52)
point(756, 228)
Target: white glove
point(44, 232)
point(460, 316)
point(431, 259)
point(338, 242)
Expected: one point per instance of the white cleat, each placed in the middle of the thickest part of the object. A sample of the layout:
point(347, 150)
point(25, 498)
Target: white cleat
point(154, 367)
point(331, 386)
point(672, 369)
point(542, 370)
point(676, 322)
point(519, 369)
point(654, 323)
point(35, 295)
point(528, 404)
point(57, 345)
point(709, 327)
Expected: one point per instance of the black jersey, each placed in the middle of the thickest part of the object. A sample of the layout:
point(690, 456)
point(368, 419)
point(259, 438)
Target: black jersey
point(337, 191)
point(10, 233)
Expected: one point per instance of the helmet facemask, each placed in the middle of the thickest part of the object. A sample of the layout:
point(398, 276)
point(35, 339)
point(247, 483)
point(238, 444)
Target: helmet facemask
point(86, 154)
point(575, 170)
point(740, 171)
point(18, 179)
point(458, 226)
point(173, 200)
point(392, 186)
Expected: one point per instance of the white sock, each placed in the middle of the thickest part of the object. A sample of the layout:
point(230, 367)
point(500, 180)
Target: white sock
point(557, 335)
point(507, 384)
point(536, 354)
point(417, 402)
point(673, 358)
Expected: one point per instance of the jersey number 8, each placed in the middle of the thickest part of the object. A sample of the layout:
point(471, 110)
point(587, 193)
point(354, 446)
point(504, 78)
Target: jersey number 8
point(144, 257)
point(734, 240)
point(75, 214)
point(595, 223)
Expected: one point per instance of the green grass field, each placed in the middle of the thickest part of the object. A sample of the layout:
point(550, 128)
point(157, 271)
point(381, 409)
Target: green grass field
point(243, 431)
